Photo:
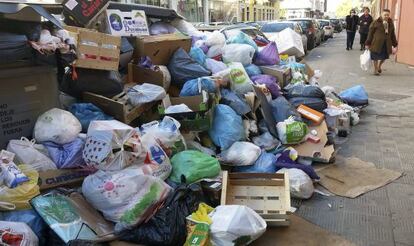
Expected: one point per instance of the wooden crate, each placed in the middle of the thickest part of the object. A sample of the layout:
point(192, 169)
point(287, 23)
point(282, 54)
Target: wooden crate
point(96, 50)
point(117, 106)
point(267, 194)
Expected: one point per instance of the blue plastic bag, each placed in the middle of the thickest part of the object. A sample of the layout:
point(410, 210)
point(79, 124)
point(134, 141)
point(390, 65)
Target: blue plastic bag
point(227, 127)
point(252, 70)
point(243, 38)
point(268, 55)
point(355, 96)
point(238, 104)
point(87, 112)
point(266, 163)
point(66, 155)
point(30, 217)
point(215, 66)
point(195, 86)
point(183, 68)
point(198, 55)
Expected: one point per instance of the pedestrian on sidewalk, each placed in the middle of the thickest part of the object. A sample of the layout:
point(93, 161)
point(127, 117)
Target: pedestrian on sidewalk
point(364, 22)
point(381, 39)
point(351, 28)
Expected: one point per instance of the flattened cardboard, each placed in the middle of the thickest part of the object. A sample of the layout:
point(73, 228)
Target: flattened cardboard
point(62, 178)
point(83, 12)
point(313, 150)
point(25, 93)
point(140, 75)
point(352, 177)
point(132, 23)
point(300, 232)
point(160, 48)
point(283, 74)
point(266, 111)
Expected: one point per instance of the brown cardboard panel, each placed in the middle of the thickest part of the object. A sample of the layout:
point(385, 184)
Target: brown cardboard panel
point(62, 178)
point(282, 74)
point(313, 150)
point(25, 93)
point(310, 72)
point(266, 110)
point(352, 177)
point(300, 232)
point(160, 48)
point(139, 75)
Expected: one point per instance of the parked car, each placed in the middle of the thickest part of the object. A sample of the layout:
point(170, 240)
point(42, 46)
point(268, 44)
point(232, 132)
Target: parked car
point(326, 25)
point(233, 30)
point(309, 27)
point(336, 24)
point(271, 28)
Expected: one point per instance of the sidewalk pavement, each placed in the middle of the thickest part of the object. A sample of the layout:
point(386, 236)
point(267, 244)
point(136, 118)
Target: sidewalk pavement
point(384, 136)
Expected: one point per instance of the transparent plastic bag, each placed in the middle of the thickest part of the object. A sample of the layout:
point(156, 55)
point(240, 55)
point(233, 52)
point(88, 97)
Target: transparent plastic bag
point(240, 154)
point(242, 53)
point(145, 93)
point(17, 234)
point(365, 60)
point(301, 185)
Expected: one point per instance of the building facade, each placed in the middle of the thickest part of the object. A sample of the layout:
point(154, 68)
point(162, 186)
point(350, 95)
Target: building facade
point(402, 14)
point(304, 8)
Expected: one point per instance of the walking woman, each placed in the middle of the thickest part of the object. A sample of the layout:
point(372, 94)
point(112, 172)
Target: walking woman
point(364, 22)
point(381, 39)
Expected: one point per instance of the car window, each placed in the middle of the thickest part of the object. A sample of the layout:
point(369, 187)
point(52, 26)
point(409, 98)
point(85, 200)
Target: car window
point(305, 25)
point(275, 27)
point(324, 23)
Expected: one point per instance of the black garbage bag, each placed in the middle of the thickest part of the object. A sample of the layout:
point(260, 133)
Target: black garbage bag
point(14, 47)
point(183, 68)
point(302, 90)
point(317, 104)
point(168, 226)
point(101, 82)
point(283, 109)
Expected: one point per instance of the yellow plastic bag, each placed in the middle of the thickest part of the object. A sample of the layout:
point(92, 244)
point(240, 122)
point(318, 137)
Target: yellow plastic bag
point(18, 198)
point(198, 224)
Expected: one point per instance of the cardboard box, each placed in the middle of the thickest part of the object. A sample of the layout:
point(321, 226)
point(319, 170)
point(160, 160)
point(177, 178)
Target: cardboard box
point(282, 73)
point(198, 120)
point(140, 75)
point(309, 71)
point(160, 48)
point(96, 50)
point(133, 23)
point(83, 12)
point(311, 114)
point(62, 178)
point(25, 93)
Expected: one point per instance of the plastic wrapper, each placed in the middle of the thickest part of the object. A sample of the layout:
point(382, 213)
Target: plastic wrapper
point(30, 153)
point(227, 127)
point(111, 145)
point(240, 154)
point(168, 226)
point(266, 141)
point(242, 38)
point(17, 233)
point(19, 197)
point(240, 81)
point(197, 54)
point(183, 68)
point(270, 82)
point(282, 110)
point(235, 225)
point(145, 93)
point(190, 166)
point(87, 112)
point(267, 55)
point(11, 174)
point(58, 126)
point(67, 155)
point(195, 87)
point(291, 131)
point(252, 70)
point(266, 163)
point(242, 53)
point(125, 197)
point(215, 66)
point(301, 186)
point(237, 103)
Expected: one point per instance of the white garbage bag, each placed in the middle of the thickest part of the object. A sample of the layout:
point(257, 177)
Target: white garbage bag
point(17, 233)
point(215, 50)
point(289, 43)
point(58, 126)
point(28, 152)
point(234, 223)
point(242, 53)
point(111, 145)
point(125, 197)
point(365, 60)
point(240, 154)
point(180, 108)
point(215, 38)
point(301, 185)
point(145, 93)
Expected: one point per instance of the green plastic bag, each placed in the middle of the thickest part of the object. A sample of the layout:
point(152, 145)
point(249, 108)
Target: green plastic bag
point(194, 165)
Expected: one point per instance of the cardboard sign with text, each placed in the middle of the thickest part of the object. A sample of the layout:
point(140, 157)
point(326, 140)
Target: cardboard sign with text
point(127, 24)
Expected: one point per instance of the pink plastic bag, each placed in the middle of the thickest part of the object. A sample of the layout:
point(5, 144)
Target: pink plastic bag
point(268, 55)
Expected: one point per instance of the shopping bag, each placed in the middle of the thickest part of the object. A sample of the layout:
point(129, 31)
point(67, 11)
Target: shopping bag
point(365, 59)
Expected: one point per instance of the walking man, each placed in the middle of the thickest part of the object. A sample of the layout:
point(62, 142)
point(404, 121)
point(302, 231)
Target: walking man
point(351, 27)
point(364, 22)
